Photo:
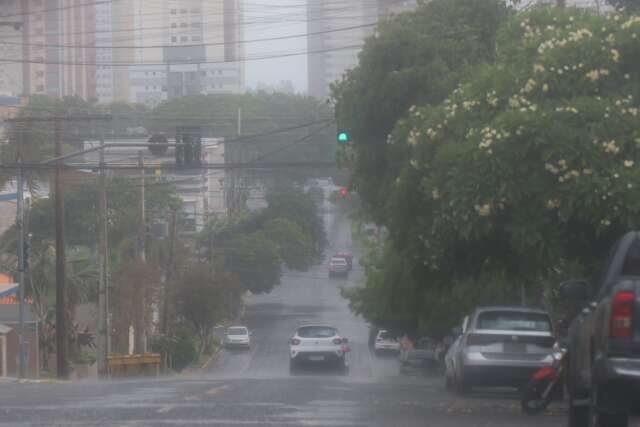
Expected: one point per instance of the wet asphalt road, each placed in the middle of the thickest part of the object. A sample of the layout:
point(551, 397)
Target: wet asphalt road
point(254, 388)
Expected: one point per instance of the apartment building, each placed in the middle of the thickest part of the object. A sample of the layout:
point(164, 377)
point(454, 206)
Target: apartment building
point(11, 72)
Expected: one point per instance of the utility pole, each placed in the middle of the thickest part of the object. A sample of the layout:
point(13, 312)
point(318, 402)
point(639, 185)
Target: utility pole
point(173, 232)
point(239, 121)
point(61, 327)
point(21, 267)
point(103, 308)
point(139, 340)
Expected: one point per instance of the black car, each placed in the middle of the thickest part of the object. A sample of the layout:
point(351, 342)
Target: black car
point(604, 340)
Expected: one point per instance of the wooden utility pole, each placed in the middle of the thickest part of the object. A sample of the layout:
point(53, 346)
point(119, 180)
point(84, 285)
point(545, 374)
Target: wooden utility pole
point(171, 268)
point(103, 308)
point(61, 327)
point(21, 268)
point(139, 327)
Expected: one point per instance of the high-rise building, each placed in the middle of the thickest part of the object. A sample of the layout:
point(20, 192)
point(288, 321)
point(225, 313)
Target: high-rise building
point(59, 48)
point(11, 33)
point(176, 48)
point(105, 74)
point(334, 50)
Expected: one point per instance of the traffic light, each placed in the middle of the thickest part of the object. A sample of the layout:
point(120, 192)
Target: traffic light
point(344, 192)
point(189, 149)
point(344, 138)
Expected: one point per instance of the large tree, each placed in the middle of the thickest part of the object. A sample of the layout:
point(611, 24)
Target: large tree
point(525, 171)
point(413, 58)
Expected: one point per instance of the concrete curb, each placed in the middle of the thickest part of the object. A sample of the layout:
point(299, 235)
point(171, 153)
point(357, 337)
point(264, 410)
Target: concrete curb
point(8, 380)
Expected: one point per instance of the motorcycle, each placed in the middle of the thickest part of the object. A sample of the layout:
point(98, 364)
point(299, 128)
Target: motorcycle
point(546, 383)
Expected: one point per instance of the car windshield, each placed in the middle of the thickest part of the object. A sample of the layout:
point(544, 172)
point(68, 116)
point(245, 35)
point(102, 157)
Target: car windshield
point(513, 321)
point(317, 332)
point(237, 331)
point(385, 335)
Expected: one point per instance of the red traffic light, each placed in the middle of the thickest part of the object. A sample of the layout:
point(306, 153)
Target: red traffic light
point(344, 192)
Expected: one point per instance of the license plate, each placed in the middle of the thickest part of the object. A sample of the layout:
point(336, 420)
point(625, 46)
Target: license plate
point(316, 358)
point(514, 347)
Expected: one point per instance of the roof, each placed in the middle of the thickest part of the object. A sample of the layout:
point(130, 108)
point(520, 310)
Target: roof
point(510, 308)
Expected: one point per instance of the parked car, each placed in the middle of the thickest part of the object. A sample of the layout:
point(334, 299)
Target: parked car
point(237, 337)
point(604, 340)
point(348, 257)
point(338, 266)
point(450, 360)
point(501, 346)
point(318, 344)
point(419, 357)
point(385, 342)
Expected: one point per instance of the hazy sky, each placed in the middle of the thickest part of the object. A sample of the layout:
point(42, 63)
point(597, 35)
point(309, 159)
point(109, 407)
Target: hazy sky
point(279, 18)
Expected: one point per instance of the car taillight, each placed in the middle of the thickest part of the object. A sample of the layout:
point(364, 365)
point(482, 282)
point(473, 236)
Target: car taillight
point(337, 341)
point(295, 341)
point(621, 322)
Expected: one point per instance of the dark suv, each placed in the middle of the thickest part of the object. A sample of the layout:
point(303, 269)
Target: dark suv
point(604, 340)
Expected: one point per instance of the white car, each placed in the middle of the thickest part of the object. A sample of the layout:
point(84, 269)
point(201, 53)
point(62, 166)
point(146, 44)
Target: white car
point(318, 344)
point(237, 337)
point(385, 342)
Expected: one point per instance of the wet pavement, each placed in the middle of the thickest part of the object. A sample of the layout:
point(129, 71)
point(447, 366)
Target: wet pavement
point(254, 387)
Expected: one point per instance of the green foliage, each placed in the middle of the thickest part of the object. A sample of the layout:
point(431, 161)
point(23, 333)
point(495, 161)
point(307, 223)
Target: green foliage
point(288, 231)
point(529, 167)
point(255, 260)
point(415, 58)
point(629, 6)
point(181, 348)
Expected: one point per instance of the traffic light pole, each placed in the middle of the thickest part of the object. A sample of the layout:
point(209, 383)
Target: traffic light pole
point(21, 267)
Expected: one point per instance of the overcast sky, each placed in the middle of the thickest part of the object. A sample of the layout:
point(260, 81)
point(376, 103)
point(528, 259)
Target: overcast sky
point(281, 18)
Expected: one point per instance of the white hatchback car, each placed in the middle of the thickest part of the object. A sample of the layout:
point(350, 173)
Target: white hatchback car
point(237, 337)
point(318, 344)
point(385, 342)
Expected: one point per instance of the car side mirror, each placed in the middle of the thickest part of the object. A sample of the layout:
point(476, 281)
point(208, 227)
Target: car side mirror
point(457, 331)
point(575, 290)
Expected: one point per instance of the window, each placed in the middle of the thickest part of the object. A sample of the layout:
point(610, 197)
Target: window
point(183, 25)
point(174, 25)
point(174, 11)
point(184, 39)
point(514, 321)
point(196, 24)
point(174, 39)
point(196, 39)
point(183, 10)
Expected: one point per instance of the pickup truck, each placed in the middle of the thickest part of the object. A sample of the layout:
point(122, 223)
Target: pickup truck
point(604, 340)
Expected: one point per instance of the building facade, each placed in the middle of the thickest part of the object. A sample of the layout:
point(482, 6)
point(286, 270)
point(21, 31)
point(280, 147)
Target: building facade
point(334, 50)
point(11, 72)
point(59, 48)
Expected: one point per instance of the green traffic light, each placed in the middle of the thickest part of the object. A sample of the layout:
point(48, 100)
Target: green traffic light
point(343, 138)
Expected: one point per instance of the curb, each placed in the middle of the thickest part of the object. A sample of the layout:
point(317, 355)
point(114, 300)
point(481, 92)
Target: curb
point(8, 380)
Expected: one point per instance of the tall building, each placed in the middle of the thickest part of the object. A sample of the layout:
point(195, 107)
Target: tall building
point(11, 33)
point(175, 48)
point(59, 48)
point(105, 74)
point(333, 50)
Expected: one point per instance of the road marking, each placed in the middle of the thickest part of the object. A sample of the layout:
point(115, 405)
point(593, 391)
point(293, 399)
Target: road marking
point(165, 409)
point(217, 390)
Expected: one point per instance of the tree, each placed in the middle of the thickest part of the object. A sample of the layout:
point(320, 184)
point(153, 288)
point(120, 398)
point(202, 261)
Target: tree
point(524, 171)
point(255, 260)
point(415, 58)
point(204, 298)
point(295, 248)
point(629, 6)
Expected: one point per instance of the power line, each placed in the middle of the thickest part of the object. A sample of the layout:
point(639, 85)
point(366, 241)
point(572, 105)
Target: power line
point(267, 39)
point(163, 64)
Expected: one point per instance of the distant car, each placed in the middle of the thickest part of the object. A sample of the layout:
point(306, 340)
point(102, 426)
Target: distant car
point(500, 346)
point(385, 342)
point(338, 266)
point(318, 344)
point(420, 357)
point(237, 337)
point(347, 256)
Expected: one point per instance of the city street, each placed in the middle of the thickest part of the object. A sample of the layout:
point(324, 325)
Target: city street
point(254, 387)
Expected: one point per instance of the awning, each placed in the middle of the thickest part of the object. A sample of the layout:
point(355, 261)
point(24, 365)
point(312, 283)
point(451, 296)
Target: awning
point(8, 289)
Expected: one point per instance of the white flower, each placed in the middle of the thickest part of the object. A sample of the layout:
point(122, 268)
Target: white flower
point(435, 194)
point(628, 163)
point(545, 88)
point(629, 186)
point(484, 210)
point(616, 55)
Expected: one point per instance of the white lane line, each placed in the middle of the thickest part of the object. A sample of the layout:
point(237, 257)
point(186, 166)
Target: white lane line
point(165, 409)
point(217, 390)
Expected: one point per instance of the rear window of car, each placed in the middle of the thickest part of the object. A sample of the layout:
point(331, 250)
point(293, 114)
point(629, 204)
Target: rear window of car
point(237, 331)
point(514, 321)
point(385, 335)
point(317, 332)
point(338, 261)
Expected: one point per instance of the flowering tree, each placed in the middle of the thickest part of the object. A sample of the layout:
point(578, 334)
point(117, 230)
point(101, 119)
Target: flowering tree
point(528, 167)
